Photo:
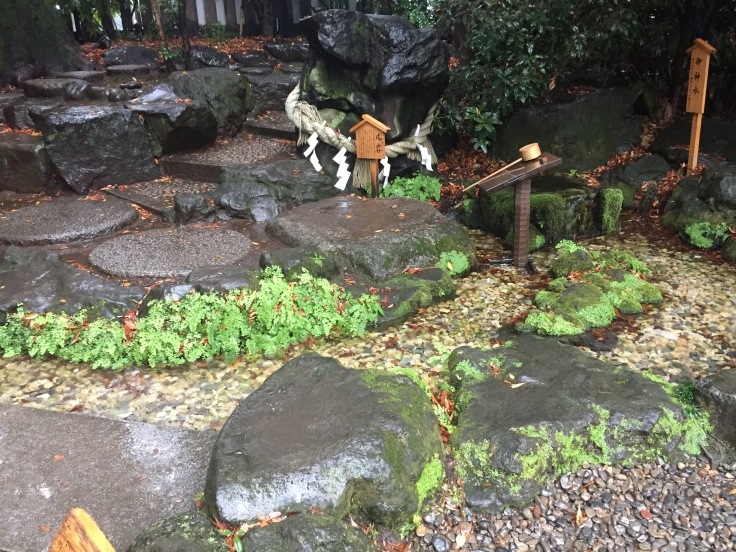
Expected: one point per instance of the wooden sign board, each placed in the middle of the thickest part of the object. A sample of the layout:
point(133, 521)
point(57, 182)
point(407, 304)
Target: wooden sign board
point(700, 53)
point(370, 138)
point(79, 533)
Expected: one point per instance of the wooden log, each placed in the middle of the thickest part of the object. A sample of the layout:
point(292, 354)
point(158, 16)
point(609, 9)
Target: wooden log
point(80, 533)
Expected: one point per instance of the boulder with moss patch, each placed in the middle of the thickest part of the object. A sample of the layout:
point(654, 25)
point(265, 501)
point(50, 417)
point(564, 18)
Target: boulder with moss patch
point(561, 208)
point(584, 410)
point(190, 532)
point(315, 434)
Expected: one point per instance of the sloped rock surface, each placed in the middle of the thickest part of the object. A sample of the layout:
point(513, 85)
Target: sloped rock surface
point(262, 192)
point(48, 88)
point(717, 394)
point(204, 56)
point(44, 283)
point(717, 137)
point(271, 89)
point(94, 146)
point(530, 410)
point(187, 532)
point(132, 55)
point(585, 133)
point(377, 237)
point(24, 164)
point(316, 434)
point(173, 124)
point(227, 95)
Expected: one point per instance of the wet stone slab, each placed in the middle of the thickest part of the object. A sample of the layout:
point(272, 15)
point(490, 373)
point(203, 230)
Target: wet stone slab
point(64, 220)
point(169, 253)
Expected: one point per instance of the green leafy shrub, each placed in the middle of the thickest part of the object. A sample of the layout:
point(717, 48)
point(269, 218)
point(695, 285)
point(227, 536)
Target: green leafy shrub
point(421, 187)
point(706, 235)
point(455, 262)
point(201, 326)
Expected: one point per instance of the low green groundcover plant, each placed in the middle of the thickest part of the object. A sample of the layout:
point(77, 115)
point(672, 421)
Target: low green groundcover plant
point(201, 326)
point(455, 262)
point(420, 186)
point(589, 290)
point(706, 235)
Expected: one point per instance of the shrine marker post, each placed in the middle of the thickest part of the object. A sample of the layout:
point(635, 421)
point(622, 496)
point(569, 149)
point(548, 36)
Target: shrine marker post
point(700, 53)
point(370, 142)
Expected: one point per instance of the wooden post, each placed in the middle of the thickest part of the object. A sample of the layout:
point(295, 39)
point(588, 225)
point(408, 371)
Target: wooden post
point(700, 53)
point(370, 143)
point(522, 215)
point(79, 533)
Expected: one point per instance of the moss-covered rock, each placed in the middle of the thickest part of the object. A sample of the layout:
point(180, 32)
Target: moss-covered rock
point(584, 411)
point(589, 288)
point(363, 443)
point(188, 532)
point(561, 208)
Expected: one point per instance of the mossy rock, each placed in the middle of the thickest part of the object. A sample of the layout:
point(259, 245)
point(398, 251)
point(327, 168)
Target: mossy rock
point(574, 261)
point(188, 532)
point(560, 208)
point(584, 411)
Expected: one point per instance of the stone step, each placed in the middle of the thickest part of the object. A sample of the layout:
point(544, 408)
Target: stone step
point(127, 475)
point(274, 124)
point(129, 71)
point(24, 164)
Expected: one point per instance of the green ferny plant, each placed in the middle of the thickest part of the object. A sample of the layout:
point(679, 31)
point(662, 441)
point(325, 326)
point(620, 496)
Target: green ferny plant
point(421, 187)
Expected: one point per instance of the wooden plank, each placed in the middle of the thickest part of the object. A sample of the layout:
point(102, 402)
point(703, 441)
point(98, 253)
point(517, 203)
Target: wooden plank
point(522, 216)
point(80, 533)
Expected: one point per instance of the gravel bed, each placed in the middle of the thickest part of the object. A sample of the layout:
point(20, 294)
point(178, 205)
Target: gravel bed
point(165, 189)
point(243, 149)
point(684, 507)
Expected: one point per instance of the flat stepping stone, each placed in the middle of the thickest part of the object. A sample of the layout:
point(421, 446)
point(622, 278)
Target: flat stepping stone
point(128, 70)
point(64, 220)
point(89, 76)
point(169, 253)
point(379, 237)
point(47, 88)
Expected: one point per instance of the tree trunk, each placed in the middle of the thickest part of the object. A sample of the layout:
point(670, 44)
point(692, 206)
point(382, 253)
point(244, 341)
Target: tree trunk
point(186, 46)
point(156, 12)
point(126, 16)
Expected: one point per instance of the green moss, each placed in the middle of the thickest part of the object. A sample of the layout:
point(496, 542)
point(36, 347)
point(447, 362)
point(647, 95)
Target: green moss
point(612, 200)
point(455, 262)
point(431, 479)
point(548, 214)
point(466, 372)
point(473, 460)
point(545, 323)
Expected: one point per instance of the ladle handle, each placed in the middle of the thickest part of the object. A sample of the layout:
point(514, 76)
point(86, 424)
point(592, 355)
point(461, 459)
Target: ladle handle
point(482, 180)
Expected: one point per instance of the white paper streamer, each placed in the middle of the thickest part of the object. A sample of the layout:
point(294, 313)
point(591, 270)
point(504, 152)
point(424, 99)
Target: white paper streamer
point(313, 140)
point(315, 162)
point(385, 171)
point(426, 158)
point(343, 169)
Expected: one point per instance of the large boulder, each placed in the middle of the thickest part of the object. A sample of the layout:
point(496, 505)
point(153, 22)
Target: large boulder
point(717, 394)
point(717, 139)
point(379, 238)
point(133, 55)
point(44, 283)
point(585, 133)
point(228, 95)
point(263, 192)
point(20, 113)
point(317, 435)
point(271, 89)
point(709, 199)
point(531, 410)
point(204, 56)
point(174, 124)
point(24, 164)
point(375, 64)
point(629, 178)
point(94, 146)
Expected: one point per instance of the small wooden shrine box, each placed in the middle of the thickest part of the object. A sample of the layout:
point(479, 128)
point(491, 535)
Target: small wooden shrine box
point(370, 138)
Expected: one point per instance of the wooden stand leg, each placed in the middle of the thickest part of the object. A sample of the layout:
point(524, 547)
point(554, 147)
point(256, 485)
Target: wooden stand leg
point(692, 157)
point(374, 177)
point(522, 210)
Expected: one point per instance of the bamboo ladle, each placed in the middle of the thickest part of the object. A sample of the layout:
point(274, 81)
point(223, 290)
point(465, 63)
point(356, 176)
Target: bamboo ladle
point(530, 152)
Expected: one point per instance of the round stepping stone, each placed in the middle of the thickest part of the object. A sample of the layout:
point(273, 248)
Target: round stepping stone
point(64, 220)
point(128, 70)
point(167, 253)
